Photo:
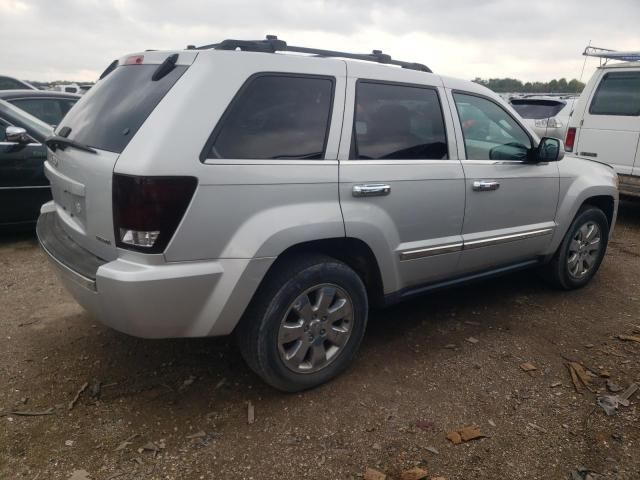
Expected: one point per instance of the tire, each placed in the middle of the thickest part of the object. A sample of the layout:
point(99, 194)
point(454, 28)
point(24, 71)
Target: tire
point(564, 271)
point(280, 324)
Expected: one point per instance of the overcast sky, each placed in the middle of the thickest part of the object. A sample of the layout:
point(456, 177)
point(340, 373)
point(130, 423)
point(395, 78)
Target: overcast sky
point(528, 40)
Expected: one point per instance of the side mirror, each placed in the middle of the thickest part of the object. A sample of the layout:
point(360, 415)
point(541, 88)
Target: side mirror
point(550, 150)
point(16, 135)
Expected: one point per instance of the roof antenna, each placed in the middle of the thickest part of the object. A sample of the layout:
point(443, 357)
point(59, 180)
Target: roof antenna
point(584, 63)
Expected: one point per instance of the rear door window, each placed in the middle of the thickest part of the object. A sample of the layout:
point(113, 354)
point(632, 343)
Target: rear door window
point(617, 94)
point(537, 109)
point(111, 112)
point(275, 117)
point(398, 122)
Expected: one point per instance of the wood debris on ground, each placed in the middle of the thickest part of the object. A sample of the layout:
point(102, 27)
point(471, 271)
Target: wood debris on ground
point(126, 442)
point(537, 427)
point(373, 474)
point(629, 338)
point(74, 400)
point(465, 434)
point(27, 413)
point(472, 340)
point(415, 473)
point(528, 367)
point(579, 377)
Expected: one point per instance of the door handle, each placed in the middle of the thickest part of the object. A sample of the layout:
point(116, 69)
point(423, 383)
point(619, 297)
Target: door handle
point(371, 190)
point(485, 186)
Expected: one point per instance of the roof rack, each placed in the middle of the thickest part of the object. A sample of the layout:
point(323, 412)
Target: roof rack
point(272, 44)
point(607, 54)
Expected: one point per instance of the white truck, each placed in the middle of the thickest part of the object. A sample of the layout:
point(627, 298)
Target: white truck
point(605, 125)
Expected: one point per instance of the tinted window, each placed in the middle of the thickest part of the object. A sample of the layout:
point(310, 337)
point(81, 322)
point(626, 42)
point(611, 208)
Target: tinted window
point(49, 110)
point(393, 121)
point(489, 132)
point(7, 83)
point(109, 115)
point(276, 117)
point(537, 108)
point(617, 94)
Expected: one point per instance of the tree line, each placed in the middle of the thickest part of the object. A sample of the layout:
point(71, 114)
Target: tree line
point(504, 85)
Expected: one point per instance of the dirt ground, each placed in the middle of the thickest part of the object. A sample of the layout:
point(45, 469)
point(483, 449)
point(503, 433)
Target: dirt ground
point(416, 378)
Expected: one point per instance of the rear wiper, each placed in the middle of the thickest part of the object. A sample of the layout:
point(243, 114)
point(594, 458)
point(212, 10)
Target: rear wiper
point(55, 141)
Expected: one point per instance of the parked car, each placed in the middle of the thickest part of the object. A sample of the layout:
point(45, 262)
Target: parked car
point(76, 88)
point(48, 106)
point(278, 196)
point(605, 125)
point(10, 83)
point(23, 186)
point(548, 116)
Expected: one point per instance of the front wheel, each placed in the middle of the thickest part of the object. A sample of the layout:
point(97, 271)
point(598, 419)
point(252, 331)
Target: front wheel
point(305, 324)
point(581, 252)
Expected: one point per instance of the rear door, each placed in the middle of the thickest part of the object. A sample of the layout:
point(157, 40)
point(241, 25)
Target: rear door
point(510, 202)
point(105, 119)
point(610, 128)
point(401, 183)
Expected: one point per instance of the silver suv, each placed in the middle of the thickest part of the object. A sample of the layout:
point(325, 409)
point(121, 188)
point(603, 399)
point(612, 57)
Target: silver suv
point(233, 189)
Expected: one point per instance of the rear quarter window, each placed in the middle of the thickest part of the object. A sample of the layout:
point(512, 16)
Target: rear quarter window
point(275, 116)
point(108, 116)
point(617, 94)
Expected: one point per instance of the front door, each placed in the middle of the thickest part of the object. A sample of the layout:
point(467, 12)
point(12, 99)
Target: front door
point(510, 201)
point(401, 183)
point(23, 186)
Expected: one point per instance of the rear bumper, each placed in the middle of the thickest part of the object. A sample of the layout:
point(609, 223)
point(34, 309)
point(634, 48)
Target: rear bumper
point(185, 299)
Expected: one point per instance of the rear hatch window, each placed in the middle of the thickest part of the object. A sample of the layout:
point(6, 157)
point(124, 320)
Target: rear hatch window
point(536, 109)
point(110, 114)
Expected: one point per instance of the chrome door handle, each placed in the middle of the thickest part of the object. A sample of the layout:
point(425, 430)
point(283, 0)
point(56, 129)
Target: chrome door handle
point(371, 190)
point(485, 186)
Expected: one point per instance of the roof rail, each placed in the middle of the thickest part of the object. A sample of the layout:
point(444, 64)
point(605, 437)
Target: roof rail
point(272, 44)
point(607, 54)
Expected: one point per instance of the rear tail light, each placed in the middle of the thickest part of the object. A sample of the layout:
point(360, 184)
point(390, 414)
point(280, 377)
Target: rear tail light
point(570, 140)
point(147, 210)
point(554, 123)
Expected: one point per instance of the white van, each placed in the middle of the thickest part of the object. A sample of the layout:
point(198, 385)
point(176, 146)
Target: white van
point(605, 125)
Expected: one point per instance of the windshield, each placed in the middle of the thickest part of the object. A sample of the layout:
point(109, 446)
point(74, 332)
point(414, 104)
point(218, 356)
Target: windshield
point(110, 114)
point(537, 108)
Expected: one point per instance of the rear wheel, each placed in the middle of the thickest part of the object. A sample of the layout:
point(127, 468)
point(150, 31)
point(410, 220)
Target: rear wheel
point(305, 323)
point(579, 256)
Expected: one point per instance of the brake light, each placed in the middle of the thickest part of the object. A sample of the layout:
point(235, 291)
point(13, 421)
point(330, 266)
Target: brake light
point(134, 60)
point(570, 140)
point(147, 210)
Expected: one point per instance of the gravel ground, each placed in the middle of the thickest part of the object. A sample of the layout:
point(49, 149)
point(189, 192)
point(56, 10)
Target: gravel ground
point(177, 409)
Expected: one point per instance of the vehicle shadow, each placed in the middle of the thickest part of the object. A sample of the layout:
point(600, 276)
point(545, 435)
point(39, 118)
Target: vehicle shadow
point(629, 212)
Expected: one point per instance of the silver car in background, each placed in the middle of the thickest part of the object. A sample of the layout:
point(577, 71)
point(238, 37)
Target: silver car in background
point(547, 115)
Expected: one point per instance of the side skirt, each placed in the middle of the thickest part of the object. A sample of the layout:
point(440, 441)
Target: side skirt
point(410, 292)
